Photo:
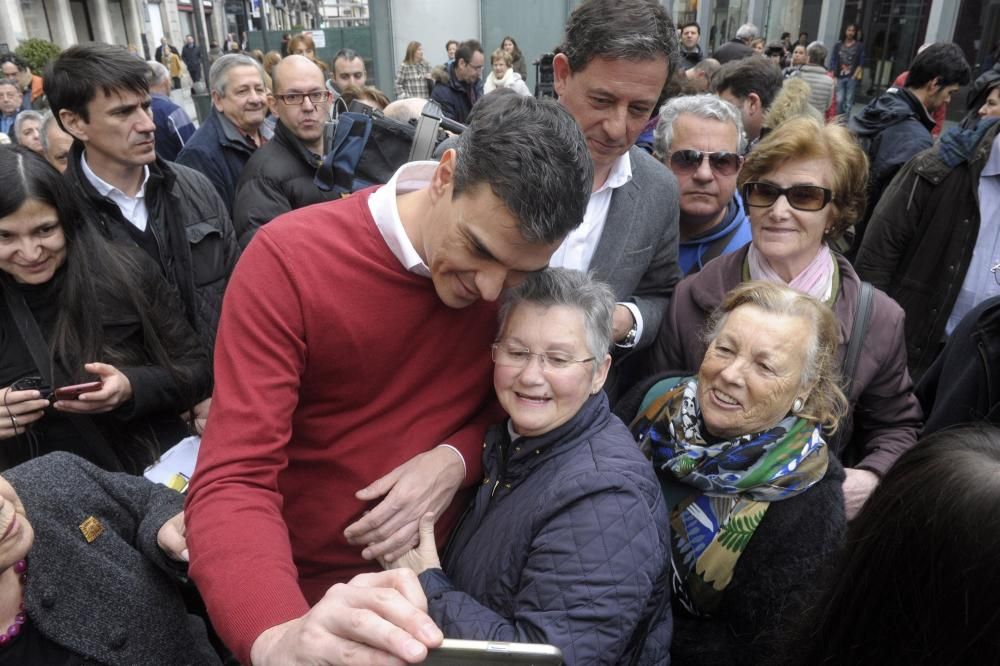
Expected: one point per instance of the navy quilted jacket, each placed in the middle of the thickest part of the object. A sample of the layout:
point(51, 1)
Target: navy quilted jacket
point(566, 542)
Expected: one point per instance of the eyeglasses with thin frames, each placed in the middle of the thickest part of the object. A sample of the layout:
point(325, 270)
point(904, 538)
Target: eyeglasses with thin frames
point(808, 198)
point(518, 357)
point(295, 99)
point(722, 162)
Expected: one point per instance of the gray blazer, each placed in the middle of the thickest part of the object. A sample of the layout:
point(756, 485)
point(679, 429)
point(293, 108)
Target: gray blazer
point(637, 253)
point(112, 600)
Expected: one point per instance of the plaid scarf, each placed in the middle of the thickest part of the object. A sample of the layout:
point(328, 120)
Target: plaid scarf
point(718, 493)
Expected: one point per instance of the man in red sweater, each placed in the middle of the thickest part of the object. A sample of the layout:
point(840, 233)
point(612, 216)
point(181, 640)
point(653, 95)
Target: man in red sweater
point(352, 379)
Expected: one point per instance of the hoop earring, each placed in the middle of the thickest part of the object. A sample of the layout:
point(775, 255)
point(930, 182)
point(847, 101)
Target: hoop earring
point(797, 406)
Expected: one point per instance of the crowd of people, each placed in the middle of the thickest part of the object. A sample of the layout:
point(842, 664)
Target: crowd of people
point(693, 364)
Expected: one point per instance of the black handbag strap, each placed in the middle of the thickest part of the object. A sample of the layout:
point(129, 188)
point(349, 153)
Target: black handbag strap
point(39, 350)
point(862, 317)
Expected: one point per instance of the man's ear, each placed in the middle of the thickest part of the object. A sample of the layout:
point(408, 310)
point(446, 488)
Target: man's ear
point(444, 175)
point(217, 101)
point(73, 124)
point(272, 104)
point(754, 106)
point(561, 72)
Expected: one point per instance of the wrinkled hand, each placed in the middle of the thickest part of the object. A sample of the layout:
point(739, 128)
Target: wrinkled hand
point(171, 538)
point(377, 618)
point(858, 486)
point(18, 410)
point(622, 322)
point(424, 556)
point(115, 390)
point(197, 416)
point(425, 483)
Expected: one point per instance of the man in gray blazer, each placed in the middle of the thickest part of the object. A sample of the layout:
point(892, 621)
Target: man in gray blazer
point(609, 75)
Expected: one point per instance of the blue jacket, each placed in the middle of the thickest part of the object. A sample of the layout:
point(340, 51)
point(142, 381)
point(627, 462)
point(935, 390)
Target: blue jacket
point(456, 97)
point(733, 232)
point(219, 152)
point(173, 127)
point(567, 542)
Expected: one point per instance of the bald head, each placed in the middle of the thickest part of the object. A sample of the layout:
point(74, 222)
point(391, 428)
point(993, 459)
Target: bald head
point(298, 83)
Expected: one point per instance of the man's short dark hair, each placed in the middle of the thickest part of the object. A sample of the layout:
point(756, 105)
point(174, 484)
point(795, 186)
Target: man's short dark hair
point(10, 82)
point(749, 75)
point(534, 158)
point(467, 49)
point(450, 42)
point(619, 29)
point(346, 54)
point(691, 24)
point(73, 79)
point(14, 58)
point(944, 61)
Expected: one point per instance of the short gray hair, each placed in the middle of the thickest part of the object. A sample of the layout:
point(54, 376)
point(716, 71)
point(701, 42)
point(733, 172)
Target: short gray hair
point(47, 119)
point(709, 107)
point(816, 53)
point(158, 73)
point(573, 289)
point(24, 116)
point(747, 31)
point(218, 76)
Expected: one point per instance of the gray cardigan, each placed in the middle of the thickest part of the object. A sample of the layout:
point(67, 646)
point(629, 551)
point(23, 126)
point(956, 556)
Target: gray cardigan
point(112, 600)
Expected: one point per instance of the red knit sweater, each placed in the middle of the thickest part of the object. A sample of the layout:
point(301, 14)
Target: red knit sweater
point(333, 366)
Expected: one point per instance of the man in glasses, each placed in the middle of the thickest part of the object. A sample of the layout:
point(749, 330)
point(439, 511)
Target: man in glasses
point(700, 139)
point(352, 383)
point(464, 86)
point(280, 176)
point(612, 67)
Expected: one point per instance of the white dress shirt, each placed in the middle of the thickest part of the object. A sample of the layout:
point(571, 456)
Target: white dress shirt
point(133, 208)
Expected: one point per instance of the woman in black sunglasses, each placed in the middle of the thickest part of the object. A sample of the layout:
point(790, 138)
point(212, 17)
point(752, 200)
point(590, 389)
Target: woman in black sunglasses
point(804, 185)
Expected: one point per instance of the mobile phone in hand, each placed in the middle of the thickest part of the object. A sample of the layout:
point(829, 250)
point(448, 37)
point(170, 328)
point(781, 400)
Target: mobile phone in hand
point(75, 391)
point(31, 383)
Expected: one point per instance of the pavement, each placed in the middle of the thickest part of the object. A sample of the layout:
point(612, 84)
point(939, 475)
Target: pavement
point(182, 98)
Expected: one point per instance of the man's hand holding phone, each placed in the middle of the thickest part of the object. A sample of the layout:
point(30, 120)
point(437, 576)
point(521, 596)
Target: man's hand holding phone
point(113, 390)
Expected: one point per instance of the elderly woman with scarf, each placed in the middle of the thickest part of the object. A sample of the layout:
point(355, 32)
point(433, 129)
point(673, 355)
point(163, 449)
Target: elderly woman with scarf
point(804, 185)
point(753, 490)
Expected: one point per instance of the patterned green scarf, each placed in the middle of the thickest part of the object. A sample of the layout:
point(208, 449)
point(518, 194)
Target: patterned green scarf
point(718, 493)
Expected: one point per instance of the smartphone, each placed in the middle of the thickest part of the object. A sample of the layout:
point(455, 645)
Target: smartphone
point(31, 383)
point(75, 391)
point(455, 651)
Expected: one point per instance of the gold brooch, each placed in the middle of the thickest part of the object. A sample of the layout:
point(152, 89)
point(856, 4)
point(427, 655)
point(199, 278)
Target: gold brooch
point(91, 529)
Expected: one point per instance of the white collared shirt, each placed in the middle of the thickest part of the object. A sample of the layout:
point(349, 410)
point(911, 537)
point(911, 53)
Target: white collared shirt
point(577, 250)
point(382, 204)
point(133, 208)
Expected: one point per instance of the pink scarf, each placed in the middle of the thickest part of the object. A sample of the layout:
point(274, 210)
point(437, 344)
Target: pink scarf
point(816, 279)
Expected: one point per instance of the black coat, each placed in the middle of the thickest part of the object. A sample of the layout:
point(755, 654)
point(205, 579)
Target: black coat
point(963, 385)
point(218, 152)
point(113, 601)
point(920, 239)
point(196, 241)
point(191, 55)
point(278, 178)
point(456, 97)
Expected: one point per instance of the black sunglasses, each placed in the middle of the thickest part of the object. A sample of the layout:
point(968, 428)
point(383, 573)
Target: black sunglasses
point(800, 197)
point(722, 162)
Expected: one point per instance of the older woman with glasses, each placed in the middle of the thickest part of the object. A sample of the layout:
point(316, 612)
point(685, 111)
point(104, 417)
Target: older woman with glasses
point(567, 540)
point(804, 185)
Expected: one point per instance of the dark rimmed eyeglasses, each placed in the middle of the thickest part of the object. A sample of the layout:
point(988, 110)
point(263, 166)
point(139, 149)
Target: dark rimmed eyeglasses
point(722, 162)
point(518, 357)
point(294, 99)
point(800, 197)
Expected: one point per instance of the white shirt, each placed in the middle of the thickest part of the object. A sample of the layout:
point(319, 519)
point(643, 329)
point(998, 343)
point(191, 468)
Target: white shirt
point(979, 283)
point(133, 208)
point(382, 204)
point(577, 250)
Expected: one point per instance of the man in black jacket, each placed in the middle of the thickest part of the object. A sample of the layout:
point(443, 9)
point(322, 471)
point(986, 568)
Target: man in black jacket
point(465, 82)
point(100, 95)
point(280, 176)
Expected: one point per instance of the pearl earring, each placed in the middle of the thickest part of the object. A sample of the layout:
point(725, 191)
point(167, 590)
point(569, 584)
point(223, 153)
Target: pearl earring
point(797, 405)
